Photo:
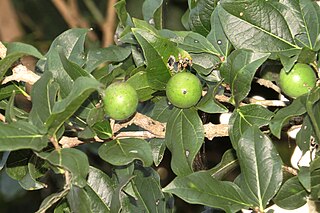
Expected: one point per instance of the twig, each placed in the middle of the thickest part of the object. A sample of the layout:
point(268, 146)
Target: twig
point(21, 73)
point(70, 13)
point(3, 50)
point(215, 130)
point(109, 24)
point(55, 143)
point(2, 118)
point(268, 84)
point(290, 170)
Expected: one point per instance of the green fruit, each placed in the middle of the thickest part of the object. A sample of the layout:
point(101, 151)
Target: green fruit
point(120, 100)
point(184, 90)
point(300, 80)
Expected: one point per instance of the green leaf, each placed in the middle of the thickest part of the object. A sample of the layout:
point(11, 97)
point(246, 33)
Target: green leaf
point(264, 22)
point(17, 164)
point(304, 176)
point(152, 12)
point(65, 108)
point(209, 104)
point(7, 62)
point(101, 184)
point(216, 36)
point(161, 110)
point(302, 22)
point(103, 129)
point(7, 90)
point(305, 135)
point(19, 113)
point(123, 151)
point(43, 94)
point(122, 13)
point(28, 183)
point(158, 146)
point(184, 138)
point(118, 197)
point(205, 63)
point(315, 185)
point(99, 56)
point(146, 184)
point(261, 167)
point(228, 163)
point(71, 44)
point(296, 108)
point(21, 135)
point(194, 43)
point(199, 17)
point(10, 112)
point(26, 49)
point(95, 196)
point(157, 51)
point(140, 82)
point(62, 207)
point(292, 195)
point(73, 69)
point(52, 199)
point(239, 71)
point(73, 160)
point(202, 188)
point(245, 117)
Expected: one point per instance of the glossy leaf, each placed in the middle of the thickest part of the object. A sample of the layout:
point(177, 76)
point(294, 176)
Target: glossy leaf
point(228, 163)
point(244, 118)
point(73, 69)
point(239, 71)
point(123, 151)
point(7, 62)
point(156, 50)
point(158, 146)
point(292, 195)
point(17, 164)
point(71, 44)
point(123, 16)
point(248, 21)
point(10, 112)
point(97, 57)
point(52, 199)
point(315, 184)
point(161, 110)
point(216, 36)
point(202, 188)
point(8, 89)
point(194, 43)
point(140, 82)
point(73, 160)
point(199, 17)
point(305, 135)
point(21, 135)
point(205, 63)
point(261, 167)
point(151, 200)
point(209, 104)
point(43, 94)
point(304, 177)
point(27, 49)
point(296, 108)
point(102, 129)
point(152, 12)
point(302, 22)
point(65, 108)
point(95, 196)
point(184, 138)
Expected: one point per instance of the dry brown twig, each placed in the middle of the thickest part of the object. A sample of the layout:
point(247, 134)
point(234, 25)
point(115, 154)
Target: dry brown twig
point(108, 25)
point(70, 13)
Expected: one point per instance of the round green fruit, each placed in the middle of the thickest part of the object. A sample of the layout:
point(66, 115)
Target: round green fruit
point(120, 100)
point(184, 90)
point(300, 80)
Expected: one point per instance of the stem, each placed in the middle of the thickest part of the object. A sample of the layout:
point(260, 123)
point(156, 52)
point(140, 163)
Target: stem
point(95, 12)
point(55, 143)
